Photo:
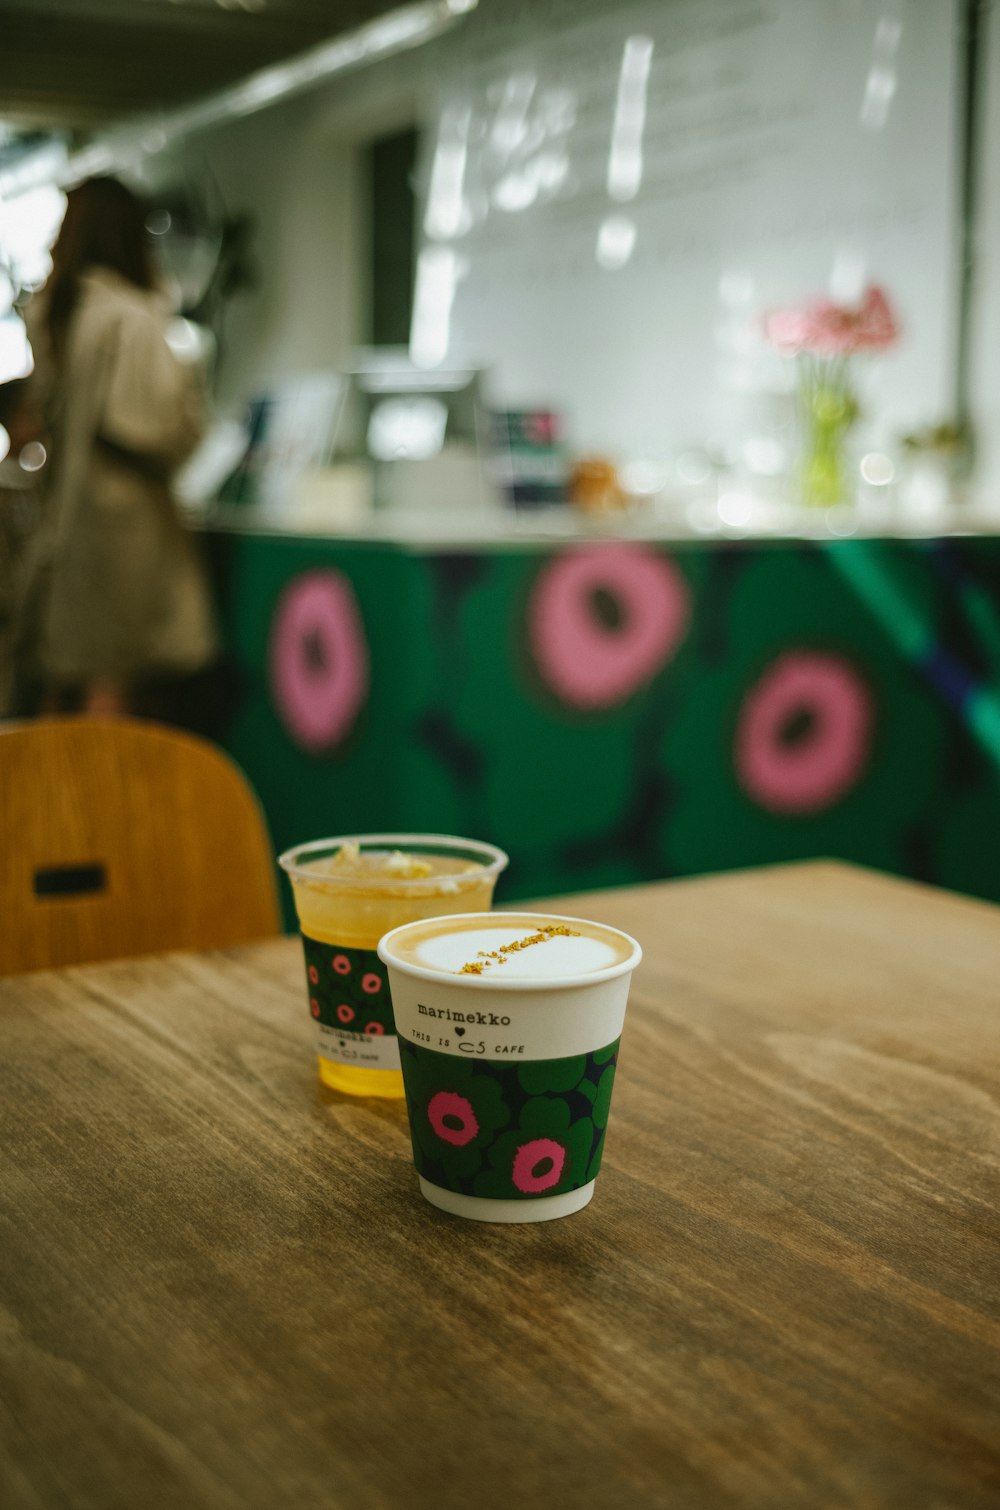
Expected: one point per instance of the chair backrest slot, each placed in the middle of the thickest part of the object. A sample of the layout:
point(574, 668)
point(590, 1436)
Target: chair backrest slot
point(122, 837)
point(70, 880)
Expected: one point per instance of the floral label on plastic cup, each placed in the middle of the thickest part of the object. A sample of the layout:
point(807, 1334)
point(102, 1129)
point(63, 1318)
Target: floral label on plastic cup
point(349, 1001)
point(504, 1130)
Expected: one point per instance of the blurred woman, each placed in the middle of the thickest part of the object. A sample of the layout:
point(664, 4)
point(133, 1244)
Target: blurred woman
point(124, 599)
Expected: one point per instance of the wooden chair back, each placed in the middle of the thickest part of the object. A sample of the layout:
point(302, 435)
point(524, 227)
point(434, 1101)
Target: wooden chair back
point(123, 837)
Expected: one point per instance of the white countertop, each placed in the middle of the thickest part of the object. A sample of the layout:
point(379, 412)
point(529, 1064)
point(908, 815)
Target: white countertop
point(544, 528)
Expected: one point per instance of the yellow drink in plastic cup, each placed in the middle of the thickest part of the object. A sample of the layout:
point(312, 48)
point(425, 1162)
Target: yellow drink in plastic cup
point(348, 892)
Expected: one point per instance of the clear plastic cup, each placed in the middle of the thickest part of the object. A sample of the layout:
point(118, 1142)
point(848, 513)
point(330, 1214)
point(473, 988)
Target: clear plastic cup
point(342, 915)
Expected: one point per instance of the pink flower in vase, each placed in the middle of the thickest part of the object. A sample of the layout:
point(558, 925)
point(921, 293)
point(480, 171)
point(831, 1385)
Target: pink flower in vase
point(823, 336)
point(828, 329)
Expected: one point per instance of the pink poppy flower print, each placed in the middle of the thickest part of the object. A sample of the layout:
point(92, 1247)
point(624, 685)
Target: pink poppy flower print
point(591, 663)
point(318, 659)
point(804, 733)
point(538, 1165)
point(452, 1118)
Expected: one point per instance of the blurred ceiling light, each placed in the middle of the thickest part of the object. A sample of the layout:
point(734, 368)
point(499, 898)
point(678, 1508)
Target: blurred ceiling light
point(189, 342)
point(615, 242)
point(625, 156)
point(879, 91)
point(40, 167)
point(28, 227)
point(515, 191)
point(550, 170)
point(735, 508)
point(32, 457)
point(880, 86)
point(887, 36)
point(557, 108)
point(260, 90)
point(396, 31)
point(510, 127)
point(99, 157)
point(407, 428)
point(848, 275)
point(643, 478)
point(438, 271)
point(877, 469)
point(447, 214)
point(15, 352)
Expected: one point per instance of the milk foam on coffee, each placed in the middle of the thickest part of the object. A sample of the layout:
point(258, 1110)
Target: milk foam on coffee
point(511, 948)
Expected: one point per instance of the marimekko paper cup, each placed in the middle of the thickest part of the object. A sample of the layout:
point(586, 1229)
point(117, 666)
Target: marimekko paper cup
point(508, 1077)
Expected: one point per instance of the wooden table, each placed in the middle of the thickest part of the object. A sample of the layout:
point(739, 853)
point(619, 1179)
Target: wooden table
point(219, 1286)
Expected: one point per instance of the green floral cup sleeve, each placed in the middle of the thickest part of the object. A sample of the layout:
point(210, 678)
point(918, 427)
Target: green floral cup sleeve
point(349, 1001)
point(515, 1026)
point(508, 1131)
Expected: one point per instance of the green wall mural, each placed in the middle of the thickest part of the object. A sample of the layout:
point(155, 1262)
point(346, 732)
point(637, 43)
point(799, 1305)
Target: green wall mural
point(615, 712)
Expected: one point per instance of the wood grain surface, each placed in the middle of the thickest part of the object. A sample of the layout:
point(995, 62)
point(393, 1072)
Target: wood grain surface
point(219, 1286)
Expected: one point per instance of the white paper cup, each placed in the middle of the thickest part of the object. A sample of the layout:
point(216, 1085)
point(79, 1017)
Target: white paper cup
point(508, 1076)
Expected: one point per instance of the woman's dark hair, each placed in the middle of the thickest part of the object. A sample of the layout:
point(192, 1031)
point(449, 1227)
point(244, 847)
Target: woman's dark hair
point(104, 226)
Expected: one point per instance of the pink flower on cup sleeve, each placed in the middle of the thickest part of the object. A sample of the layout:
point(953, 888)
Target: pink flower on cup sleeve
point(452, 1118)
point(538, 1165)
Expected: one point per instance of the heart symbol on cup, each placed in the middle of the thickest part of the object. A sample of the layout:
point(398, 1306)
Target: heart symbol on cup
point(459, 1032)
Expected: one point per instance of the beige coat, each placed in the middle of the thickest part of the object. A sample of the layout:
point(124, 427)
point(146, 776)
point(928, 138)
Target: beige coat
point(125, 594)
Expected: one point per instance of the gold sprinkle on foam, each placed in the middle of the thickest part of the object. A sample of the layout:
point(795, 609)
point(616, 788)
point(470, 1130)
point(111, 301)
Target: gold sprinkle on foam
point(487, 957)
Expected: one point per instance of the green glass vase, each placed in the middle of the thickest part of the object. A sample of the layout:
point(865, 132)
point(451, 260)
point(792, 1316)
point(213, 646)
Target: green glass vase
point(830, 411)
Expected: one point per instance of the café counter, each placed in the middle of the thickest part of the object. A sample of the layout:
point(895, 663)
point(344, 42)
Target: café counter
point(615, 709)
